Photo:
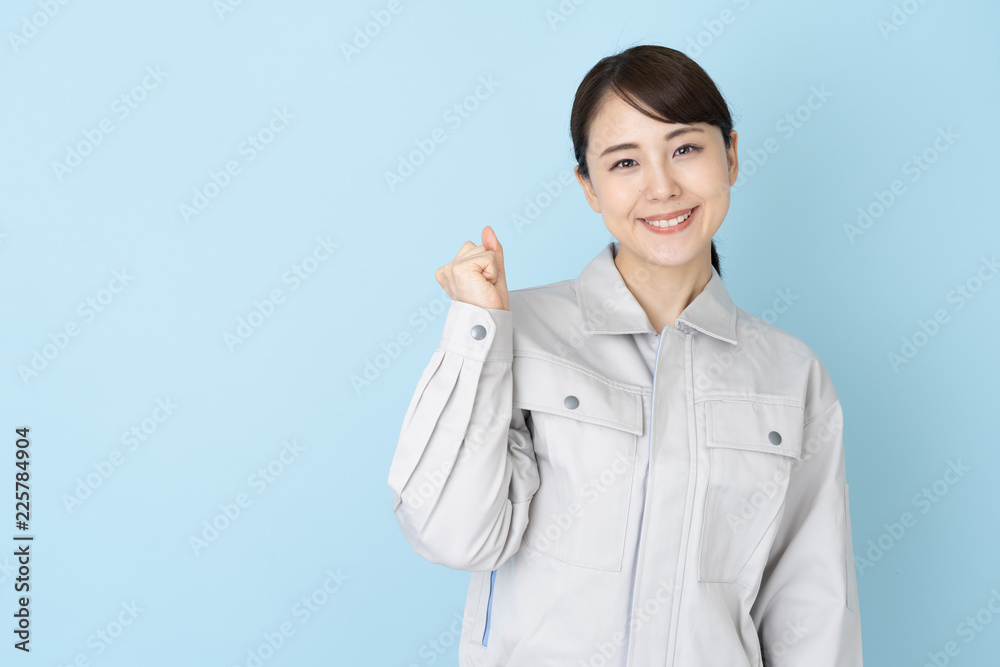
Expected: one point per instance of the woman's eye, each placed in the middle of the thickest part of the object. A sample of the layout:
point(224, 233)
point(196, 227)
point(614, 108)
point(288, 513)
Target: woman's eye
point(620, 161)
point(686, 149)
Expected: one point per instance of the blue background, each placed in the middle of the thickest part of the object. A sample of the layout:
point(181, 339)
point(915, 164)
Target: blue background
point(189, 279)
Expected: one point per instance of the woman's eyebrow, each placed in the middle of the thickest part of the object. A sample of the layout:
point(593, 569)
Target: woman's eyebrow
point(668, 137)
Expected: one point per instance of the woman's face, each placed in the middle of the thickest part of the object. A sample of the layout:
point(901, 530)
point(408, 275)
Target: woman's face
point(642, 169)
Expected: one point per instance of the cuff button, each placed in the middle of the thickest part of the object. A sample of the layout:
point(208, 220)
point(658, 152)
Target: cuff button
point(479, 332)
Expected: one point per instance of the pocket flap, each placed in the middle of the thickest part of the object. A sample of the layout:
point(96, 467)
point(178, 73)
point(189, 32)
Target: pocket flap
point(775, 427)
point(548, 386)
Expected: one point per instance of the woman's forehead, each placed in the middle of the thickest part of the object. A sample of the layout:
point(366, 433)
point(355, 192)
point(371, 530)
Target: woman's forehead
point(619, 122)
point(616, 115)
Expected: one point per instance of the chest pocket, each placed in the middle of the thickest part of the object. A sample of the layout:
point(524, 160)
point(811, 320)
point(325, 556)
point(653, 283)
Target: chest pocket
point(585, 433)
point(752, 447)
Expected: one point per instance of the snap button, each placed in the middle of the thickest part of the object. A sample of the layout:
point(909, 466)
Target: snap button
point(571, 402)
point(479, 332)
point(774, 438)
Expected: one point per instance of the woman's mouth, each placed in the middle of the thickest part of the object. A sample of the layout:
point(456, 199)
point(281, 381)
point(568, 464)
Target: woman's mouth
point(673, 225)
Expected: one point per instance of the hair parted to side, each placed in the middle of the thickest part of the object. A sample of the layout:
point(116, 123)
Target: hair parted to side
point(665, 80)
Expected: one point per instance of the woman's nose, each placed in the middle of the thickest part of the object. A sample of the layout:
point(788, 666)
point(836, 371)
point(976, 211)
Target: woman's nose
point(661, 183)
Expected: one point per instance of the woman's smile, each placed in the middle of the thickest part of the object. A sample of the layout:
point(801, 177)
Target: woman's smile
point(670, 225)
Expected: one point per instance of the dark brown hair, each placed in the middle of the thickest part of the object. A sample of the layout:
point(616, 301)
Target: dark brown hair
point(665, 80)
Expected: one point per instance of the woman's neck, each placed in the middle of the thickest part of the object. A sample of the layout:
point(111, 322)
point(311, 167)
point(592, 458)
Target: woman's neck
point(663, 291)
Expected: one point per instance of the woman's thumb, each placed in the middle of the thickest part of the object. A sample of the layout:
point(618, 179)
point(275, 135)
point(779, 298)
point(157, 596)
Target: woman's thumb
point(491, 242)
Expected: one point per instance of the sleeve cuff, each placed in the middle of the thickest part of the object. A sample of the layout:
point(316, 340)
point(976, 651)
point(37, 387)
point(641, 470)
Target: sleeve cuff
point(484, 334)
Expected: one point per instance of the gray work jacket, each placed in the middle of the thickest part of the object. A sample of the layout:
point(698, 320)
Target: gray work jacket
point(628, 498)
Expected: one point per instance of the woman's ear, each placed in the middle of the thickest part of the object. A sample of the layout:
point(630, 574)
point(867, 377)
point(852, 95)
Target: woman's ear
point(588, 190)
point(733, 158)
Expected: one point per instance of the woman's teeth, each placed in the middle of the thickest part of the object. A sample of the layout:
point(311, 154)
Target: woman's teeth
point(673, 222)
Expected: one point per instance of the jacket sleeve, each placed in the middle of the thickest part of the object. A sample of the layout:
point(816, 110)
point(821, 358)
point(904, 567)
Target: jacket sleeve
point(806, 610)
point(464, 469)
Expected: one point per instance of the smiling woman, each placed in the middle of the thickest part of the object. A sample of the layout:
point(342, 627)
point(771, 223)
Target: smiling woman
point(663, 152)
point(635, 470)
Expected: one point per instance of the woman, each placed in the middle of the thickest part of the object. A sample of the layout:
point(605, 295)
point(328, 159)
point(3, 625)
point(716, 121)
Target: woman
point(635, 470)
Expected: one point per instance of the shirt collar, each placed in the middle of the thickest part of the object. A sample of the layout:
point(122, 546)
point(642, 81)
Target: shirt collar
point(608, 306)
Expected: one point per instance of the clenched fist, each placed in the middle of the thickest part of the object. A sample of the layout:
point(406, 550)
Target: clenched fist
point(476, 274)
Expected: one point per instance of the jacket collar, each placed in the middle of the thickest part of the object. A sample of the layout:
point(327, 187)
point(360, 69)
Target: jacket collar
point(608, 306)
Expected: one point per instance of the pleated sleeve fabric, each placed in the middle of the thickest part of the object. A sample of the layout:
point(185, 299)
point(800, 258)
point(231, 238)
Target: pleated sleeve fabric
point(464, 469)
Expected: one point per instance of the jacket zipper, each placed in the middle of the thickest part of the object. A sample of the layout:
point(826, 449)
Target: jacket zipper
point(489, 607)
point(649, 452)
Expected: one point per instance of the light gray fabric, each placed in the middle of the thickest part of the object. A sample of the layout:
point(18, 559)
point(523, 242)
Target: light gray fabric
point(645, 499)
